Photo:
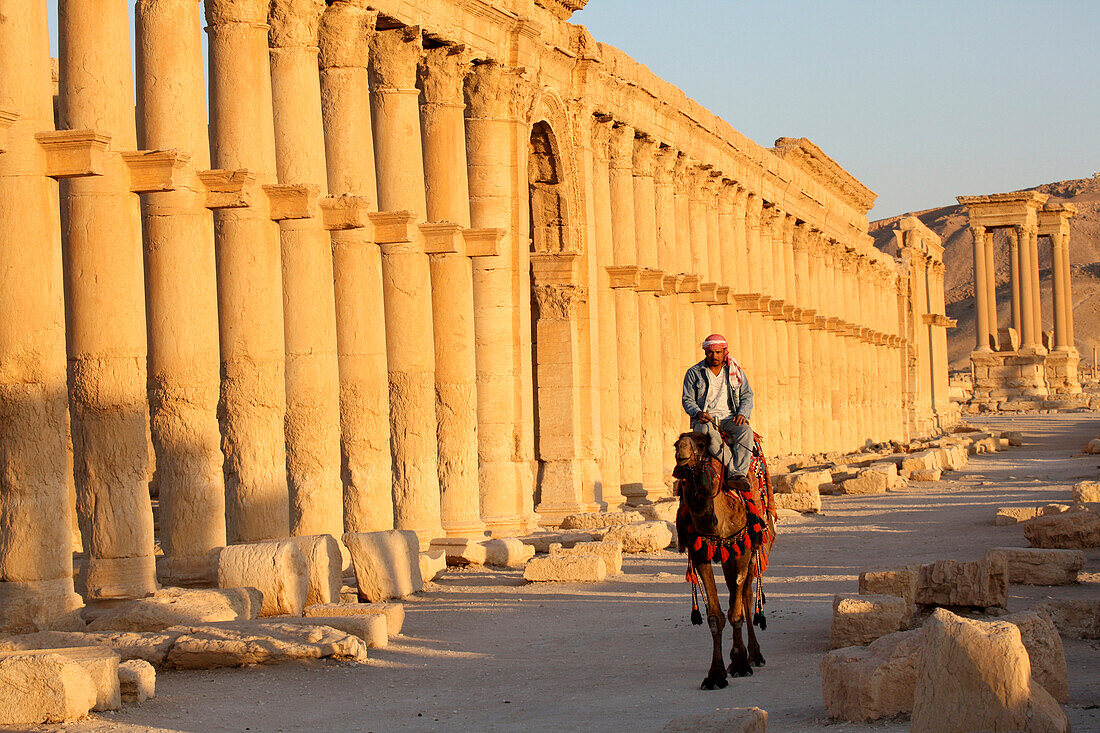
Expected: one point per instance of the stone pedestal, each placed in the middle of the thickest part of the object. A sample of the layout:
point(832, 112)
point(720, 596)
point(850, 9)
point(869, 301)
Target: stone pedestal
point(1061, 372)
point(1008, 376)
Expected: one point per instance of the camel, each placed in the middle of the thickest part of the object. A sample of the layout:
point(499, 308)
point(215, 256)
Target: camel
point(716, 524)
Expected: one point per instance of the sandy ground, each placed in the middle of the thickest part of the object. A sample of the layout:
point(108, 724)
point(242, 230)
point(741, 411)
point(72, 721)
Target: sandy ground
point(483, 651)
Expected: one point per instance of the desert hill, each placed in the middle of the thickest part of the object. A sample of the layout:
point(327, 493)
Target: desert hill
point(950, 223)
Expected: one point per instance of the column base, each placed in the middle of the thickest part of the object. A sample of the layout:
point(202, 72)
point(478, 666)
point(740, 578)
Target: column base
point(184, 571)
point(1061, 371)
point(473, 529)
point(119, 578)
point(1008, 376)
point(39, 605)
point(551, 515)
point(510, 526)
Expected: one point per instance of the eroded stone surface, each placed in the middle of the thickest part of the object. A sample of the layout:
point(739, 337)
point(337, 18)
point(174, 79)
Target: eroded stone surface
point(137, 681)
point(1044, 650)
point(860, 619)
point(566, 568)
point(387, 563)
point(925, 474)
point(802, 482)
point(1071, 530)
point(99, 662)
point(723, 720)
point(593, 520)
point(867, 482)
point(981, 584)
point(394, 612)
point(1078, 619)
point(235, 644)
point(863, 683)
point(1086, 491)
point(901, 582)
point(175, 606)
point(508, 552)
point(610, 550)
point(43, 688)
point(802, 502)
point(433, 563)
point(276, 569)
point(1040, 566)
point(641, 536)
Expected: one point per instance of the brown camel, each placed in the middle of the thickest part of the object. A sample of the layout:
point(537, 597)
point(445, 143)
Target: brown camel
point(716, 524)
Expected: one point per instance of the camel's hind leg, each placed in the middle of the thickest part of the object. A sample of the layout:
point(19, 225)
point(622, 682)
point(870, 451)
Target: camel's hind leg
point(716, 677)
point(754, 646)
point(736, 572)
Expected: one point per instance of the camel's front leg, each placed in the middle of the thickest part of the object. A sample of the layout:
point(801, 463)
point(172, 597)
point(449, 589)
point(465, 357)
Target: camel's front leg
point(736, 572)
point(754, 646)
point(716, 677)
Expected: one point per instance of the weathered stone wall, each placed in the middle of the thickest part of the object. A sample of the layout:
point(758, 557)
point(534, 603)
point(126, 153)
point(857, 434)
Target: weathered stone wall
point(438, 266)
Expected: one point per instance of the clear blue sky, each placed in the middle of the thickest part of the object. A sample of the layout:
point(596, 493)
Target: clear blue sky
point(922, 101)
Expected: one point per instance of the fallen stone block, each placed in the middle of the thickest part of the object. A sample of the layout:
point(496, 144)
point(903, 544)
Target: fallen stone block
point(1093, 447)
point(1076, 530)
point(611, 552)
point(926, 474)
point(137, 681)
point(864, 683)
point(151, 646)
point(722, 720)
point(276, 569)
point(1075, 619)
point(371, 628)
point(1048, 509)
point(951, 458)
point(985, 445)
point(509, 552)
point(804, 503)
point(175, 606)
point(99, 662)
point(461, 551)
point(387, 563)
point(1014, 515)
point(641, 537)
point(1044, 651)
point(975, 676)
point(394, 613)
point(1086, 491)
point(900, 582)
point(922, 461)
point(566, 568)
point(860, 619)
point(238, 643)
point(433, 563)
point(324, 566)
point(1014, 437)
point(802, 482)
point(982, 584)
point(43, 688)
point(1036, 566)
point(867, 482)
point(542, 541)
point(594, 520)
point(662, 509)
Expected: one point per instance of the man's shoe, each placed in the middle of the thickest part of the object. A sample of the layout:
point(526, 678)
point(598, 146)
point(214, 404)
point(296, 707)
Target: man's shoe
point(738, 483)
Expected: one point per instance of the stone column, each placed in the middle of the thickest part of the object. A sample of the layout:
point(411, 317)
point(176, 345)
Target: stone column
point(726, 226)
point(759, 378)
point(991, 288)
point(1029, 337)
point(105, 315)
point(626, 313)
point(699, 242)
point(250, 298)
point(443, 130)
point(829, 297)
point(182, 295)
point(775, 336)
point(652, 440)
point(822, 355)
point(497, 101)
point(36, 584)
point(689, 340)
point(309, 303)
point(807, 418)
point(346, 29)
point(981, 297)
point(671, 366)
point(1033, 265)
point(792, 313)
point(1067, 291)
point(608, 355)
point(406, 282)
point(1014, 269)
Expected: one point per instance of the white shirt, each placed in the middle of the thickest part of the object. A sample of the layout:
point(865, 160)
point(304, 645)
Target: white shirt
point(718, 403)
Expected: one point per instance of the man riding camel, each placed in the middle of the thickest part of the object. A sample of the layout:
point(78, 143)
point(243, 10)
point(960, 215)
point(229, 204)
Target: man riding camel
point(717, 397)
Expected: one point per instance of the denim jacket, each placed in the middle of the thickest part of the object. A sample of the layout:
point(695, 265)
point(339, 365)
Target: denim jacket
point(695, 393)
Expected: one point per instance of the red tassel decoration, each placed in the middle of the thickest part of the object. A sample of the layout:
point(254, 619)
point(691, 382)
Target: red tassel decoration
point(736, 551)
point(725, 555)
point(698, 543)
point(710, 552)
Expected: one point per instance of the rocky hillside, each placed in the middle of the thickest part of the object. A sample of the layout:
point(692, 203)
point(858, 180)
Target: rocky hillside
point(951, 224)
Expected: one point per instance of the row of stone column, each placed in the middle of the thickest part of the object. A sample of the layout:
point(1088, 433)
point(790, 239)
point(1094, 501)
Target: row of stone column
point(821, 381)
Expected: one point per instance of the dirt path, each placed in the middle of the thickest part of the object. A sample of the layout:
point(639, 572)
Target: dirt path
point(483, 651)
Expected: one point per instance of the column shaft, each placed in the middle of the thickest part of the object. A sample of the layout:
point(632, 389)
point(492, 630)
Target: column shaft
point(36, 584)
point(981, 297)
point(1028, 334)
point(346, 29)
point(106, 308)
point(250, 298)
point(991, 289)
point(1014, 276)
point(1036, 301)
point(184, 364)
point(671, 366)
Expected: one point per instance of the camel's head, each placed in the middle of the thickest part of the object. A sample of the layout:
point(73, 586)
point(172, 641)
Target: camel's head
point(690, 448)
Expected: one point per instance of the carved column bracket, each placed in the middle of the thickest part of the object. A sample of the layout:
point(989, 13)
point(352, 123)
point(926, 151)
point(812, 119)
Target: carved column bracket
point(292, 201)
point(706, 293)
point(624, 276)
point(156, 170)
point(345, 211)
point(689, 284)
point(442, 237)
point(392, 227)
point(74, 153)
point(484, 242)
point(228, 188)
point(559, 268)
point(671, 284)
point(650, 280)
point(749, 302)
point(722, 295)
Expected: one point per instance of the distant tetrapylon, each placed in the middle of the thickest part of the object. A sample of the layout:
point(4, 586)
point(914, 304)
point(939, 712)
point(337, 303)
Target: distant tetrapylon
point(437, 266)
point(1022, 363)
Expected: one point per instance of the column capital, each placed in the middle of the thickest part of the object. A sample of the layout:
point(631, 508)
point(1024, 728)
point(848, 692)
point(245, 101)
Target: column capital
point(753, 209)
point(1028, 230)
point(346, 30)
point(621, 146)
point(667, 160)
point(441, 73)
point(802, 237)
point(559, 302)
point(394, 56)
point(599, 135)
point(295, 23)
point(645, 155)
point(771, 217)
point(681, 180)
point(727, 196)
point(224, 12)
point(497, 92)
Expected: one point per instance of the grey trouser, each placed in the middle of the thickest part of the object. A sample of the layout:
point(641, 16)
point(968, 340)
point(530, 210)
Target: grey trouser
point(738, 455)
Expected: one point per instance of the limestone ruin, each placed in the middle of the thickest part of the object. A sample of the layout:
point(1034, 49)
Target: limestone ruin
point(432, 266)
